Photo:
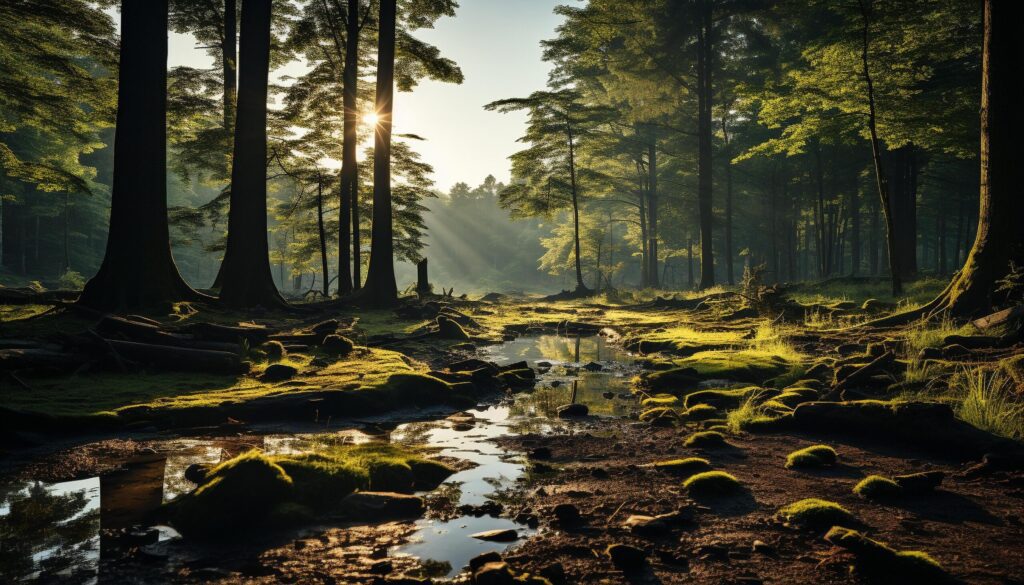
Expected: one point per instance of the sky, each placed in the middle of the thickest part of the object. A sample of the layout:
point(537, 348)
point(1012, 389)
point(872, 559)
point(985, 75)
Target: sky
point(497, 45)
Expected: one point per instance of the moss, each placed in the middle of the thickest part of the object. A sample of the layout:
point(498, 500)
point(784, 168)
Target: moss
point(277, 490)
point(683, 467)
point(712, 483)
point(652, 414)
point(748, 365)
point(812, 457)
point(885, 564)
point(676, 380)
point(660, 400)
point(705, 439)
point(274, 350)
point(721, 398)
point(791, 397)
point(683, 341)
point(877, 487)
point(702, 412)
point(816, 514)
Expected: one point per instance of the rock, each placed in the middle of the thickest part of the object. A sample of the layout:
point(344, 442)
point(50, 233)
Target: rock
point(528, 519)
point(573, 410)
point(762, 547)
point(540, 453)
point(494, 573)
point(608, 395)
point(196, 473)
point(449, 329)
point(626, 557)
point(593, 367)
point(646, 525)
point(378, 506)
point(505, 535)
point(278, 373)
point(482, 559)
point(599, 473)
point(919, 483)
point(337, 345)
point(1011, 317)
point(672, 380)
point(381, 567)
point(566, 513)
point(554, 572)
point(472, 364)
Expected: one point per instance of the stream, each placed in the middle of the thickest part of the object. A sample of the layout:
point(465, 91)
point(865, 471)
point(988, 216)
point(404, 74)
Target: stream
point(57, 532)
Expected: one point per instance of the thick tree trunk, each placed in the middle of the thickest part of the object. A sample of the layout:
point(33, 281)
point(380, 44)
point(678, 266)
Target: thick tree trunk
point(348, 214)
point(876, 155)
point(727, 155)
point(138, 271)
point(246, 280)
point(381, 288)
point(704, 170)
point(999, 240)
point(652, 213)
point(855, 243)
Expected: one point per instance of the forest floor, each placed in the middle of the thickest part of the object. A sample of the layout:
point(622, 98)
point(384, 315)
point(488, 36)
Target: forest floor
point(764, 376)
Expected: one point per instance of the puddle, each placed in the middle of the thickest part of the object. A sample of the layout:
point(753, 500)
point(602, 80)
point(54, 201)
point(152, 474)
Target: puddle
point(53, 532)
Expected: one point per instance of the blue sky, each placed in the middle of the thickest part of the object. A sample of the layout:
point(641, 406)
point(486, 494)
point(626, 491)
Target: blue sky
point(497, 44)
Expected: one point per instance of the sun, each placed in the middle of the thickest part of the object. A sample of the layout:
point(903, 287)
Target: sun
point(371, 119)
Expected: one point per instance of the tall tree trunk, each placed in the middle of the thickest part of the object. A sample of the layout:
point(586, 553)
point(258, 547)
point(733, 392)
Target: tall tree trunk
point(246, 280)
point(348, 247)
point(727, 155)
point(229, 58)
point(855, 243)
point(643, 240)
point(322, 233)
point(999, 241)
point(138, 271)
point(575, 208)
point(819, 211)
point(876, 156)
point(705, 52)
point(381, 288)
point(66, 264)
point(652, 213)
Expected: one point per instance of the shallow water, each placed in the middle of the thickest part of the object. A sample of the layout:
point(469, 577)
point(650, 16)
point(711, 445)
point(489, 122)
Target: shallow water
point(52, 532)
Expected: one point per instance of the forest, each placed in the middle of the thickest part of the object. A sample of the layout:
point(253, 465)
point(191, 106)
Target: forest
point(732, 292)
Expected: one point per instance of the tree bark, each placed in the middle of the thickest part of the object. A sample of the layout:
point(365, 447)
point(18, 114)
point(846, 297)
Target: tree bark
point(575, 208)
point(381, 288)
point(229, 58)
point(138, 271)
point(999, 241)
point(704, 171)
point(652, 212)
point(729, 274)
point(349, 198)
point(322, 233)
point(245, 274)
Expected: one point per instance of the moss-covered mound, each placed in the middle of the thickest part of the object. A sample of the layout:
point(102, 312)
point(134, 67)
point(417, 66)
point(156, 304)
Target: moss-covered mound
point(884, 564)
point(705, 439)
point(712, 483)
point(684, 467)
point(812, 457)
point(722, 398)
point(877, 487)
point(659, 413)
point(702, 412)
point(680, 381)
point(660, 400)
point(748, 365)
point(256, 488)
point(816, 514)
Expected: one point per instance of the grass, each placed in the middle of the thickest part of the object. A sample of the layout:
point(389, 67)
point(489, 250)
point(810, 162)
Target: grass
point(928, 334)
point(712, 483)
point(10, 313)
point(985, 399)
point(682, 340)
point(755, 411)
point(877, 487)
point(703, 439)
point(812, 457)
point(816, 514)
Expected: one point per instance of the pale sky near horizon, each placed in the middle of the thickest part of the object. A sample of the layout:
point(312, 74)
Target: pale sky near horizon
point(497, 44)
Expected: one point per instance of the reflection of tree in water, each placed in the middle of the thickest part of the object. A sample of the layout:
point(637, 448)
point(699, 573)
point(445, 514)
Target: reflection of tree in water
point(48, 533)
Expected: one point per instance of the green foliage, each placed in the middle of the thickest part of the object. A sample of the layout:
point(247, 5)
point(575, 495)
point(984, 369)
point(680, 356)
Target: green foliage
point(986, 399)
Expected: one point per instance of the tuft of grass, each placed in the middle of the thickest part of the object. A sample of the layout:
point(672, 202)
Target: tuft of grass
point(877, 487)
point(704, 439)
point(816, 514)
point(683, 467)
point(985, 399)
point(712, 483)
point(753, 412)
point(928, 334)
point(652, 414)
point(812, 457)
point(885, 563)
point(772, 338)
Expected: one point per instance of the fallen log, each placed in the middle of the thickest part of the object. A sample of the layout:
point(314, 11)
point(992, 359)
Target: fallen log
point(180, 358)
point(40, 359)
point(133, 330)
point(31, 296)
point(226, 333)
point(860, 375)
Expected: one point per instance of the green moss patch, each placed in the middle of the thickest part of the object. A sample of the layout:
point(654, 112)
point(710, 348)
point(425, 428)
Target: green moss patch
point(683, 467)
point(682, 341)
point(660, 400)
point(721, 398)
point(705, 439)
point(255, 488)
point(886, 564)
point(748, 365)
point(812, 457)
point(877, 487)
point(702, 412)
point(816, 514)
point(660, 412)
point(712, 483)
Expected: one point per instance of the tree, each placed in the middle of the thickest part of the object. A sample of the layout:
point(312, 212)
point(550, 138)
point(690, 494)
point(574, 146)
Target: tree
point(547, 174)
point(138, 271)
point(245, 274)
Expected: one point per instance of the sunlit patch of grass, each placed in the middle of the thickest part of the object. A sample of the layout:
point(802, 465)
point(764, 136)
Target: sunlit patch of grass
point(10, 313)
point(756, 410)
point(985, 399)
point(927, 334)
point(771, 338)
